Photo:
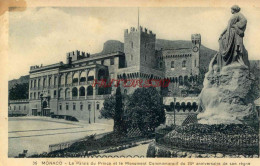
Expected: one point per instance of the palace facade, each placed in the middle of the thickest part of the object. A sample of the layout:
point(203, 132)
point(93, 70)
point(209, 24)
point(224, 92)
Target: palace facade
point(66, 89)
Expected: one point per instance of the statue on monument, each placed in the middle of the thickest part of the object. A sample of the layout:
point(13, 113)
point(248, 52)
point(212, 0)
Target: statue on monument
point(229, 90)
point(231, 47)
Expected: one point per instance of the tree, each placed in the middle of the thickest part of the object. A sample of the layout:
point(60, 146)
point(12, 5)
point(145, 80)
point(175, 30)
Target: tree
point(108, 110)
point(19, 91)
point(145, 110)
point(113, 109)
point(119, 125)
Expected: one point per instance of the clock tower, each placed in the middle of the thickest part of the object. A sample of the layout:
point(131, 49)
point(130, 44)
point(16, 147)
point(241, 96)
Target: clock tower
point(195, 46)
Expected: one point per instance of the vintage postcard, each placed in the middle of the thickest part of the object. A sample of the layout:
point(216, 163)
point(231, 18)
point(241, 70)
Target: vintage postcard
point(150, 83)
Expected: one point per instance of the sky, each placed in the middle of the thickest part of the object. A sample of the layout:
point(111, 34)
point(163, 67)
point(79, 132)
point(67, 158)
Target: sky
point(44, 35)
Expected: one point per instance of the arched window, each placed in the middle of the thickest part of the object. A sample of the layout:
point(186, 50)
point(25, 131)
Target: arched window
point(161, 65)
point(178, 106)
point(186, 80)
point(67, 106)
point(83, 76)
point(183, 106)
point(90, 91)
point(62, 79)
point(112, 61)
point(98, 106)
point(75, 77)
point(67, 93)
point(68, 78)
point(34, 83)
point(81, 106)
point(34, 95)
point(172, 64)
point(125, 91)
point(55, 80)
point(39, 82)
point(101, 74)
point(82, 91)
point(195, 63)
point(91, 75)
point(60, 106)
point(54, 93)
point(74, 106)
point(61, 93)
point(50, 81)
point(188, 106)
point(184, 64)
point(194, 106)
point(74, 92)
point(44, 82)
point(180, 80)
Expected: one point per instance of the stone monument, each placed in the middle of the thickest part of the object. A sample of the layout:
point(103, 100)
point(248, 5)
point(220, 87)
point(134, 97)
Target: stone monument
point(229, 89)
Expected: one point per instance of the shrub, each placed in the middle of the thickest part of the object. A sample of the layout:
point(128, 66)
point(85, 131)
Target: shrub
point(151, 150)
point(233, 138)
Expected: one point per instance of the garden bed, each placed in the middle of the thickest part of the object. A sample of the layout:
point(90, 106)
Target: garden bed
point(91, 146)
point(227, 139)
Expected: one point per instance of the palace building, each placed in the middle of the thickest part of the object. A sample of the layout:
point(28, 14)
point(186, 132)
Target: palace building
point(65, 89)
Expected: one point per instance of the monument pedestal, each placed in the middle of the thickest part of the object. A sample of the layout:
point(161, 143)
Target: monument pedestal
point(228, 96)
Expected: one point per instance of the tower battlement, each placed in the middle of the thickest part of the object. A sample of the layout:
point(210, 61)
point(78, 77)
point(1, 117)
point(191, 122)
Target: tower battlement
point(140, 30)
point(76, 55)
point(196, 38)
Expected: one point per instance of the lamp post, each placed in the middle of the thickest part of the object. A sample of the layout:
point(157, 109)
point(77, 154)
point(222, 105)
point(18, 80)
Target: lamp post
point(89, 106)
point(41, 96)
point(89, 117)
point(174, 112)
point(172, 105)
point(94, 112)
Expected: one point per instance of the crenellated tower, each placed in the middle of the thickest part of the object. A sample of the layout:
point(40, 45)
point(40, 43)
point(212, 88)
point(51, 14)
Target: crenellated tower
point(139, 47)
point(196, 43)
point(76, 55)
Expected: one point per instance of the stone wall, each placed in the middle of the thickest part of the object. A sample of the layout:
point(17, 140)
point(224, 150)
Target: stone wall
point(178, 69)
point(77, 108)
point(18, 107)
point(87, 110)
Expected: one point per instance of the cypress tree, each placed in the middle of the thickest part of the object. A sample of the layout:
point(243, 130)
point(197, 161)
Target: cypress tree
point(119, 126)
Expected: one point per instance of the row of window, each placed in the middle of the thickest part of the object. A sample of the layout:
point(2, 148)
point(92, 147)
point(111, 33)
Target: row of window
point(37, 95)
point(74, 106)
point(183, 64)
point(75, 92)
point(69, 78)
point(19, 107)
point(146, 45)
point(37, 82)
point(62, 81)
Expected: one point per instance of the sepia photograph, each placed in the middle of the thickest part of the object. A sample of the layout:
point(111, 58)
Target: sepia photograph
point(133, 82)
